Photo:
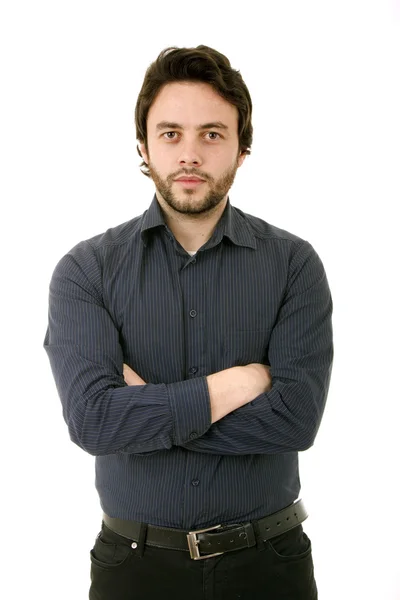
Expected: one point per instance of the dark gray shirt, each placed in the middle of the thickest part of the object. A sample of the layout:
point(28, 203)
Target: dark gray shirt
point(252, 293)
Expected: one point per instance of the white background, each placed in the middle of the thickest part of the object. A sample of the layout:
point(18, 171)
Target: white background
point(324, 79)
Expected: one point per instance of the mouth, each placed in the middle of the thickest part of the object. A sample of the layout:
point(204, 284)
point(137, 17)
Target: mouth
point(190, 181)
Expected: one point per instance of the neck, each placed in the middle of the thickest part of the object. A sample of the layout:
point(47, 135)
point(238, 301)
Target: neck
point(192, 231)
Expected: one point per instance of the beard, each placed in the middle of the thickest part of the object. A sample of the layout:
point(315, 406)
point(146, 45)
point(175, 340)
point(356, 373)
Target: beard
point(192, 201)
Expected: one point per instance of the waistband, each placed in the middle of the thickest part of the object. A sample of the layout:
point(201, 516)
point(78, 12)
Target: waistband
point(214, 540)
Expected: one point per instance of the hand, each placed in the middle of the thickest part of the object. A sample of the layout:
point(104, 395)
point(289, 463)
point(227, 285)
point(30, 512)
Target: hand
point(234, 387)
point(260, 378)
point(132, 378)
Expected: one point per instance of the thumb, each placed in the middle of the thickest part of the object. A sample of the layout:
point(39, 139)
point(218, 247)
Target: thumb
point(128, 374)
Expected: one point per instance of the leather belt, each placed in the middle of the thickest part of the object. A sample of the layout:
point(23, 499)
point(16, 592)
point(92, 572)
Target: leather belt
point(224, 538)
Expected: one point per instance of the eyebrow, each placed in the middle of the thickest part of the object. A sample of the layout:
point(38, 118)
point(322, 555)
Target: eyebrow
point(171, 125)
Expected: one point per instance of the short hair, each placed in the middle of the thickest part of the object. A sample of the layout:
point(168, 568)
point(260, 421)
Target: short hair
point(200, 64)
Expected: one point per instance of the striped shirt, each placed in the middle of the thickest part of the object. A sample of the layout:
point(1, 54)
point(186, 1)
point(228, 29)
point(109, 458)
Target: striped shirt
point(252, 293)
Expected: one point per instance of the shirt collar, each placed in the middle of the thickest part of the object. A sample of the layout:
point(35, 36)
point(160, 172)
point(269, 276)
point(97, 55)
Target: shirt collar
point(232, 224)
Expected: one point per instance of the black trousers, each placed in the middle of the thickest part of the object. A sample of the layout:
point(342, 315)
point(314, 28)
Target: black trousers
point(280, 568)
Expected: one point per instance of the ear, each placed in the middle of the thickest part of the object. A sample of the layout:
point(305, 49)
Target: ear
point(143, 152)
point(241, 158)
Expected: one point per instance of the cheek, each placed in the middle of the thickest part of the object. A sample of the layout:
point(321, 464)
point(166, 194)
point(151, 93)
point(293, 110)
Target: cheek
point(161, 157)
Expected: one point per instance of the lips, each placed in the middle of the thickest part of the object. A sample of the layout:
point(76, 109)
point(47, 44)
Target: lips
point(194, 179)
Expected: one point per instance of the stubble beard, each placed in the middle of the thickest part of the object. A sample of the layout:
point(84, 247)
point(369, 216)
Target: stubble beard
point(187, 203)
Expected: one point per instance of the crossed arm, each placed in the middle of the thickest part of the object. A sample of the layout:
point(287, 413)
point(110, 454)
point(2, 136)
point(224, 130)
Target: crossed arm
point(253, 409)
point(228, 391)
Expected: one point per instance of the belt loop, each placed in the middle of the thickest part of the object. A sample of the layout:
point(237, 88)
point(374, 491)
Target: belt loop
point(142, 539)
point(259, 540)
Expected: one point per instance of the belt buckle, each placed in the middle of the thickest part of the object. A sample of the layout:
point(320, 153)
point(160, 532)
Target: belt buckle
point(193, 544)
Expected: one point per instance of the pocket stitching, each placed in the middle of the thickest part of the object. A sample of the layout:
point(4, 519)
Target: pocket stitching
point(104, 565)
point(289, 557)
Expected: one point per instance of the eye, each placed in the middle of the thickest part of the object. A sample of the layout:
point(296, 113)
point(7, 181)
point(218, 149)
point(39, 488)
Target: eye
point(168, 133)
point(213, 133)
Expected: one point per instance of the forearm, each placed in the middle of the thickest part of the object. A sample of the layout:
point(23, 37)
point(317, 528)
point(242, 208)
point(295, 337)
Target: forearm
point(105, 416)
point(285, 419)
point(228, 391)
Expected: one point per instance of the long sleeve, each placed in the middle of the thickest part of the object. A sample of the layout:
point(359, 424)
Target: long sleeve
point(103, 414)
point(300, 354)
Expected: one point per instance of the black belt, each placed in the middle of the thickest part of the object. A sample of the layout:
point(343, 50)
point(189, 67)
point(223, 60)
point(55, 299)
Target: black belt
point(223, 539)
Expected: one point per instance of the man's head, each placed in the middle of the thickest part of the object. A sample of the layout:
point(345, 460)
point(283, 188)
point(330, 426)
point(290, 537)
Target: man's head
point(193, 118)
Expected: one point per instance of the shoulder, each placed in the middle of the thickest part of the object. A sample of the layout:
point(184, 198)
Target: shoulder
point(113, 237)
point(272, 237)
point(283, 245)
point(85, 260)
point(264, 230)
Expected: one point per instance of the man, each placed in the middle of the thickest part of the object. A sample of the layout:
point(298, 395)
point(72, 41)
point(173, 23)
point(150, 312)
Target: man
point(192, 352)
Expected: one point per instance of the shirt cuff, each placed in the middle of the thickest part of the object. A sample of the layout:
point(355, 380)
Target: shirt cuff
point(190, 407)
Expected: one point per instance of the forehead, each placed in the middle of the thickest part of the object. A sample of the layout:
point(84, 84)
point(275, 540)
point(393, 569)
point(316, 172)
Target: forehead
point(191, 103)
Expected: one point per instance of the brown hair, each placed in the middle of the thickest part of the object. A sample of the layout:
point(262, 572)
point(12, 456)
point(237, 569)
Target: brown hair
point(202, 64)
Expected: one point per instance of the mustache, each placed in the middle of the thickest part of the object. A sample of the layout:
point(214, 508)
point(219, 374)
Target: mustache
point(189, 174)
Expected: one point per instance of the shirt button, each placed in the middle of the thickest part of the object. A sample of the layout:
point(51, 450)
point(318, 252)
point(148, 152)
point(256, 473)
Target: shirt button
point(193, 435)
point(193, 370)
point(193, 313)
point(195, 482)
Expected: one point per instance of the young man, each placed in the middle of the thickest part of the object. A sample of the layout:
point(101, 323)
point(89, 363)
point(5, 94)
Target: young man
point(192, 351)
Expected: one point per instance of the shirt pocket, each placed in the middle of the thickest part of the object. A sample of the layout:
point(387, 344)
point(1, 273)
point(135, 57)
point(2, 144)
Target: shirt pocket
point(241, 348)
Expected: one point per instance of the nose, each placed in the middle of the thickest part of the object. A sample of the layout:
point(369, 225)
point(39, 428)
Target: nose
point(190, 154)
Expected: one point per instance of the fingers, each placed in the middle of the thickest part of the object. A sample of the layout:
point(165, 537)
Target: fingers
point(129, 375)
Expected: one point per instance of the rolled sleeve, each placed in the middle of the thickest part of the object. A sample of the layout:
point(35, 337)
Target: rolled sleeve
point(190, 407)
